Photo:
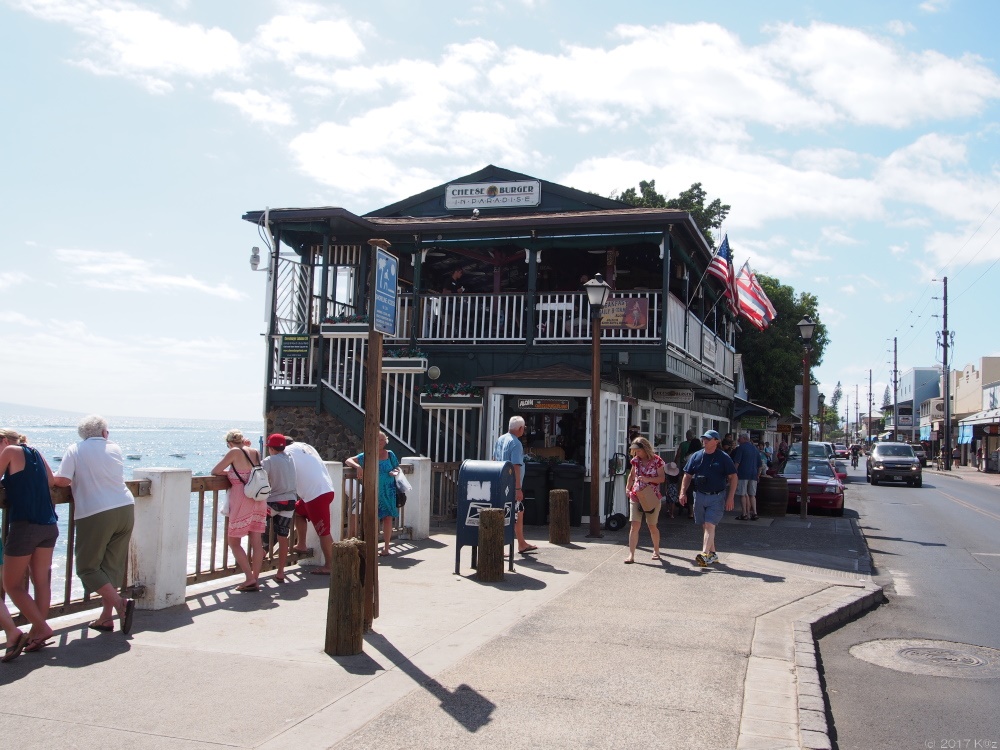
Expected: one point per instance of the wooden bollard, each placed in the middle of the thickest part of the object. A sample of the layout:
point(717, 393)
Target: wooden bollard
point(490, 545)
point(345, 612)
point(558, 516)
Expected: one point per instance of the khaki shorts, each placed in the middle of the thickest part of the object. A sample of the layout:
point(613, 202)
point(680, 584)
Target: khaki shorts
point(635, 513)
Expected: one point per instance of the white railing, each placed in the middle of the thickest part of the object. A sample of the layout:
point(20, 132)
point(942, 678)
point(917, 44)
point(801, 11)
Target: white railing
point(472, 317)
point(345, 375)
point(291, 372)
point(675, 322)
point(562, 317)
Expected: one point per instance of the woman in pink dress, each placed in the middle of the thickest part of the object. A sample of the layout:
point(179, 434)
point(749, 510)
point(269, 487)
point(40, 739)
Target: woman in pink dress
point(647, 470)
point(247, 517)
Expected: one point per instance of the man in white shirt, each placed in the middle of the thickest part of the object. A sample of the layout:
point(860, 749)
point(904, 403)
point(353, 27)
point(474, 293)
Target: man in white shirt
point(315, 491)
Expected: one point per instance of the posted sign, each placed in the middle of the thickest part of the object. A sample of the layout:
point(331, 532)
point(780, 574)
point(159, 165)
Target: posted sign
point(386, 280)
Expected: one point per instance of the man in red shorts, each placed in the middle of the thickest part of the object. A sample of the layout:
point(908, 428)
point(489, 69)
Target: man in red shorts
point(315, 491)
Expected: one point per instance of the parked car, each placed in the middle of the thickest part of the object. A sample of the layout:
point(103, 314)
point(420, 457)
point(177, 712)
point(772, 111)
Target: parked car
point(816, 450)
point(894, 462)
point(825, 490)
point(840, 451)
point(840, 469)
point(919, 452)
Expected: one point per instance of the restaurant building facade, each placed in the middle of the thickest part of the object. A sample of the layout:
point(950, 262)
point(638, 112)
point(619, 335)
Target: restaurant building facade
point(491, 321)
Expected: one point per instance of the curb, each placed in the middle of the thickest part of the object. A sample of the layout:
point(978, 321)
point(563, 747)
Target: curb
point(813, 729)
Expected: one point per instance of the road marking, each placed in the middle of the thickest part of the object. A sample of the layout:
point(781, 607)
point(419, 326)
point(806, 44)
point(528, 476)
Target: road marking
point(901, 583)
point(970, 506)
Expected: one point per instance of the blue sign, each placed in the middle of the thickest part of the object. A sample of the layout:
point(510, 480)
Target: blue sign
point(386, 280)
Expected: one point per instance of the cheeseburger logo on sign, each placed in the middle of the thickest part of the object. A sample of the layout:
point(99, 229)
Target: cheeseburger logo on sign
point(493, 194)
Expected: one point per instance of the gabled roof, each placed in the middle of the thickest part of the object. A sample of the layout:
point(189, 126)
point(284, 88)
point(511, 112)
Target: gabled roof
point(555, 197)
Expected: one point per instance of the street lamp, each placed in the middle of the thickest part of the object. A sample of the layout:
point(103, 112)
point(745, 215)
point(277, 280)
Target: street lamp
point(597, 295)
point(806, 328)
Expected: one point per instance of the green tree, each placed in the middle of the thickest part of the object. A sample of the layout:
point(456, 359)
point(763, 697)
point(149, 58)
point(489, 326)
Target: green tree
point(886, 399)
point(831, 420)
point(692, 200)
point(772, 358)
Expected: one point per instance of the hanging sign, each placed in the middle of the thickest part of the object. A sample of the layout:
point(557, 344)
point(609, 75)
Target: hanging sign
point(630, 313)
point(543, 404)
point(753, 423)
point(295, 347)
point(673, 395)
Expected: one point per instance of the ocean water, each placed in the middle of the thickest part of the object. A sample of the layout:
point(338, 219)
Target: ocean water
point(195, 444)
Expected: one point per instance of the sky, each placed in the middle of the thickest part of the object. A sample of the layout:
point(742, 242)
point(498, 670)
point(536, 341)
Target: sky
point(857, 143)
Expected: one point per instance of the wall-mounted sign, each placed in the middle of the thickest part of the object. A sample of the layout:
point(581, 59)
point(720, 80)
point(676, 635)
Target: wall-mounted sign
point(493, 194)
point(295, 347)
point(543, 404)
point(784, 428)
point(753, 423)
point(625, 312)
point(673, 395)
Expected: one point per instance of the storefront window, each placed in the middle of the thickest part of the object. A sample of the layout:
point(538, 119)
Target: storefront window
point(644, 421)
point(662, 427)
point(678, 435)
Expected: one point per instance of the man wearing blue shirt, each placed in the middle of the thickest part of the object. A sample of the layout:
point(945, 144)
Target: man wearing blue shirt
point(748, 467)
point(508, 448)
point(714, 477)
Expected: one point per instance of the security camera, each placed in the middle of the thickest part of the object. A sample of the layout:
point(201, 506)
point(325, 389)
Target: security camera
point(254, 258)
point(475, 213)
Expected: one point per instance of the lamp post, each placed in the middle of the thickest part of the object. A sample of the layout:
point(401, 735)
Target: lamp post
point(806, 327)
point(597, 295)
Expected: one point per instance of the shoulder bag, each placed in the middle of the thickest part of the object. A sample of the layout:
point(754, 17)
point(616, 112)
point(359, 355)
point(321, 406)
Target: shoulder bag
point(257, 487)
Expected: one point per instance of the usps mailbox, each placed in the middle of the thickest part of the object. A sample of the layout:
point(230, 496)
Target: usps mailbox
point(484, 484)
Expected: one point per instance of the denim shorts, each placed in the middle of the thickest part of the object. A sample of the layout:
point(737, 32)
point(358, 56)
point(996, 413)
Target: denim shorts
point(709, 508)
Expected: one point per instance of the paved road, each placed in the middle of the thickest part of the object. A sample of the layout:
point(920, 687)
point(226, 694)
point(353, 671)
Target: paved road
point(936, 550)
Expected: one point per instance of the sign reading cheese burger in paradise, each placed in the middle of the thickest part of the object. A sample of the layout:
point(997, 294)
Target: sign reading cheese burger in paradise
point(493, 194)
point(625, 312)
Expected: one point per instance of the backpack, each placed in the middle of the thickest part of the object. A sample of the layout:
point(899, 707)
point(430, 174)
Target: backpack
point(256, 487)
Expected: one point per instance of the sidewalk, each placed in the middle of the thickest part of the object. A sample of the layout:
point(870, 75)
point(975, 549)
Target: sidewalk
point(967, 473)
point(574, 649)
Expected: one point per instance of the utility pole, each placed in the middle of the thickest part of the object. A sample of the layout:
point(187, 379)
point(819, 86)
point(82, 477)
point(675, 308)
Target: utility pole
point(868, 432)
point(946, 371)
point(895, 393)
point(857, 409)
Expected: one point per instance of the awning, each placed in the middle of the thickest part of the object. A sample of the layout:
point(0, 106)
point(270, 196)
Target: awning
point(743, 408)
point(990, 416)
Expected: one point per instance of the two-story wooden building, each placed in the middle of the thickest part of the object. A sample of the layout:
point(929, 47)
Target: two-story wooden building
point(514, 323)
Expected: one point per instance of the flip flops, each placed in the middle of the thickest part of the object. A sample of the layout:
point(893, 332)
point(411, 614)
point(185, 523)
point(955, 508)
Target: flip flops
point(12, 652)
point(247, 587)
point(104, 627)
point(36, 644)
point(526, 550)
point(126, 622)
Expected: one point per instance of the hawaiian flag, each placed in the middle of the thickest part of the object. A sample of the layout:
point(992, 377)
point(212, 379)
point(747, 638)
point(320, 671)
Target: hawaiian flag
point(754, 304)
point(721, 268)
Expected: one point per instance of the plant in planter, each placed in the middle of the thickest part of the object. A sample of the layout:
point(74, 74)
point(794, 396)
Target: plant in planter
point(353, 326)
point(404, 359)
point(352, 318)
point(451, 389)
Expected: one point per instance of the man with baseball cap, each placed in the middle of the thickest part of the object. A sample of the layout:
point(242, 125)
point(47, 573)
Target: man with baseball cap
point(713, 475)
point(315, 491)
point(281, 502)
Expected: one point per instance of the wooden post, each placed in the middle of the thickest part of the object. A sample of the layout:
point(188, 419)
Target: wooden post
point(491, 545)
point(345, 612)
point(559, 516)
point(373, 410)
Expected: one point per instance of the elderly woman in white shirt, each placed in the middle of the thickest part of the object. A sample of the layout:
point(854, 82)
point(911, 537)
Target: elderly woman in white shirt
point(104, 510)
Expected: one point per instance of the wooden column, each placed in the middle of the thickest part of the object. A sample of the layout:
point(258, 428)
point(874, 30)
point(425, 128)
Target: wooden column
point(490, 545)
point(345, 612)
point(559, 516)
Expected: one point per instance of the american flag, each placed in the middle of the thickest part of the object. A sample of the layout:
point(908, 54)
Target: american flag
point(754, 304)
point(721, 268)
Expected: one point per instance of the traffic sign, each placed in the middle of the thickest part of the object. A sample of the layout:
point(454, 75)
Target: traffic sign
point(386, 283)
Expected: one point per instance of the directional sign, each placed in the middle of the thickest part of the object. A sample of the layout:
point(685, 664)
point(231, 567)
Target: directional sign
point(386, 280)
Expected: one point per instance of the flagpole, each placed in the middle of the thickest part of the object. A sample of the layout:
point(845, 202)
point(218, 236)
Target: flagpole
point(697, 286)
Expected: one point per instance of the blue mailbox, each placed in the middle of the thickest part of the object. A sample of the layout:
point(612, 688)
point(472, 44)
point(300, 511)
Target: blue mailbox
point(484, 484)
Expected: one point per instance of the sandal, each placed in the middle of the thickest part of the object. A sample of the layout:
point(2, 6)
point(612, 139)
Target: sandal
point(247, 587)
point(12, 652)
point(37, 644)
point(104, 627)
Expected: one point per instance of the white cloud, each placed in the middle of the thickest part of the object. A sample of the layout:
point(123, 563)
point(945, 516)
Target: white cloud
point(12, 278)
point(900, 28)
point(16, 318)
point(934, 6)
point(897, 250)
point(257, 106)
point(304, 33)
point(837, 236)
point(123, 272)
point(125, 39)
point(849, 289)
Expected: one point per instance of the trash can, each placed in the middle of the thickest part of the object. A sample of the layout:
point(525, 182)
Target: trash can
point(772, 496)
point(569, 476)
point(535, 486)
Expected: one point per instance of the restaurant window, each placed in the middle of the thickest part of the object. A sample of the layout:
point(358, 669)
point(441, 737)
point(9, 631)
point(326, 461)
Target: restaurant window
point(662, 427)
point(678, 435)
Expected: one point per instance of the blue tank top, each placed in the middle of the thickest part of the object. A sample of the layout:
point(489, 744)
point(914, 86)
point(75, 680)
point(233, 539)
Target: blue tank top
point(28, 497)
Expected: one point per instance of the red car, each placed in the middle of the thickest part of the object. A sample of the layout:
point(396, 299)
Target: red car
point(826, 492)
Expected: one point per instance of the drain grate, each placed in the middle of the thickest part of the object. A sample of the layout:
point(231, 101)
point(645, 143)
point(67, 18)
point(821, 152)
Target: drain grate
point(931, 658)
point(943, 657)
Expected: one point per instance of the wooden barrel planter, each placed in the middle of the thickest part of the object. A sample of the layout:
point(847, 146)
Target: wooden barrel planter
point(772, 496)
